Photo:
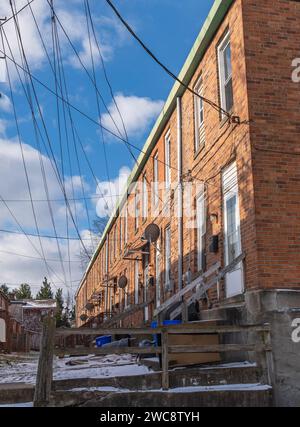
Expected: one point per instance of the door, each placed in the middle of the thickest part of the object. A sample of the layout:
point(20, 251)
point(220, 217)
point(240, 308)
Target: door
point(157, 274)
point(234, 280)
point(146, 280)
point(136, 282)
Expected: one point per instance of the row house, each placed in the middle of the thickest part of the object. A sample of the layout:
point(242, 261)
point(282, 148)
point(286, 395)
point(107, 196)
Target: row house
point(5, 344)
point(217, 183)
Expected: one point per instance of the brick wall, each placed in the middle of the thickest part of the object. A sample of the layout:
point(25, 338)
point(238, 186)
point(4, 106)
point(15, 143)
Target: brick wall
point(264, 40)
point(271, 43)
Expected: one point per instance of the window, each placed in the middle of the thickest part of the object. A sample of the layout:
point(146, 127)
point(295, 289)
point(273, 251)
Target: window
point(115, 240)
point(126, 226)
point(232, 226)
point(145, 198)
point(155, 180)
point(136, 210)
point(225, 73)
point(199, 116)
point(168, 160)
point(121, 233)
point(106, 257)
point(157, 274)
point(232, 235)
point(201, 230)
point(136, 281)
point(168, 257)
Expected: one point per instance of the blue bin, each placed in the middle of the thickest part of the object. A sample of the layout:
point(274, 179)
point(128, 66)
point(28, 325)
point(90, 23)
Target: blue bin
point(165, 323)
point(100, 341)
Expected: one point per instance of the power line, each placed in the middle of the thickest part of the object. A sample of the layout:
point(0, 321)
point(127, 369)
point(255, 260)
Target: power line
point(56, 170)
point(33, 257)
point(45, 86)
point(16, 13)
point(45, 236)
point(164, 67)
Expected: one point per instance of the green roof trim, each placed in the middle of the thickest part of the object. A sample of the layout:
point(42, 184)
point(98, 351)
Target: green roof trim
point(208, 30)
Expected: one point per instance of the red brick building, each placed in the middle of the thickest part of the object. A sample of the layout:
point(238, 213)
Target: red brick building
point(5, 343)
point(245, 178)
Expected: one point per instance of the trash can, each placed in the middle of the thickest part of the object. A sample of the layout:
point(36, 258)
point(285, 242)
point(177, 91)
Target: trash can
point(100, 341)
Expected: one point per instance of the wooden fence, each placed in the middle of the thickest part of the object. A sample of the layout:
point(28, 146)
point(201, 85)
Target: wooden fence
point(45, 368)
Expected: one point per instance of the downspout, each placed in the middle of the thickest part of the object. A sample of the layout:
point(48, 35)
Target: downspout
point(179, 192)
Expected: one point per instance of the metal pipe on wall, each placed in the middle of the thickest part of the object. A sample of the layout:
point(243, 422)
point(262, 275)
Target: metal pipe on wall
point(180, 192)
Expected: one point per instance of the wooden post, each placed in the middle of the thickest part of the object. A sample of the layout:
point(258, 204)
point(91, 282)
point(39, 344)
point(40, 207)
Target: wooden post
point(43, 386)
point(165, 359)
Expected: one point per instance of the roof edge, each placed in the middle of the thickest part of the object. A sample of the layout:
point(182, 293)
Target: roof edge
point(213, 21)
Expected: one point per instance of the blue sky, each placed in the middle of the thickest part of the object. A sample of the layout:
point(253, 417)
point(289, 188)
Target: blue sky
point(169, 28)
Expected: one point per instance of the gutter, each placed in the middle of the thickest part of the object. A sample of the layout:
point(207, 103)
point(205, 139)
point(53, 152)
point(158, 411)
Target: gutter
point(209, 29)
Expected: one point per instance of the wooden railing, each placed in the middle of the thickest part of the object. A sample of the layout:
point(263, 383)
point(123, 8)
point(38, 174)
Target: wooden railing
point(45, 368)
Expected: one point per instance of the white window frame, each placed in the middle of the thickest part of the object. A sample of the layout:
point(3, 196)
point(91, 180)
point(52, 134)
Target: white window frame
point(221, 63)
point(157, 274)
point(121, 233)
point(199, 115)
point(201, 228)
point(168, 160)
point(145, 197)
point(126, 226)
point(167, 256)
point(230, 190)
point(136, 210)
point(155, 180)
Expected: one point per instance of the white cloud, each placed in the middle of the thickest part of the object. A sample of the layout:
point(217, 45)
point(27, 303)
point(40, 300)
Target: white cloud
point(13, 186)
point(5, 103)
point(111, 190)
point(109, 33)
point(138, 114)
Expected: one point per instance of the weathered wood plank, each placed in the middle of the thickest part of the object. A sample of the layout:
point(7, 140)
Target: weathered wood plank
point(44, 377)
point(105, 331)
point(165, 359)
point(200, 281)
point(109, 350)
point(185, 328)
point(128, 312)
point(175, 298)
point(219, 348)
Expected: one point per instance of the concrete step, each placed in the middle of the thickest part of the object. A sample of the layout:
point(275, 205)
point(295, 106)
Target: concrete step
point(247, 395)
point(16, 393)
point(180, 377)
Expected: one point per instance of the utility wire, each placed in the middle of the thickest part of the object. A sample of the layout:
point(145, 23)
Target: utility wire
point(16, 13)
point(45, 86)
point(164, 67)
point(56, 170)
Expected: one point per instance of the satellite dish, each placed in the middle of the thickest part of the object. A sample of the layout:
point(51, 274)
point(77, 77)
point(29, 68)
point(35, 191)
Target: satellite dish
point(89, 306)
point(151, 233)
point(123, 282)
point(83, 317)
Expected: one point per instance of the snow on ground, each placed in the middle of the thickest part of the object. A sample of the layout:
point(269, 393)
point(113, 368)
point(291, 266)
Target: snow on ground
point(23, 369)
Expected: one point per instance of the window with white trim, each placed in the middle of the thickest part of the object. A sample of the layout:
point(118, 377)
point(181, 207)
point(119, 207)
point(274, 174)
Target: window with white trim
point(126, 226)
point(155, 180)
point(225, 73)
point(168, 160)
point(136, 210)
point(199, 116)
point(231, 212)
point(167, 257)
point(145, 197)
